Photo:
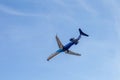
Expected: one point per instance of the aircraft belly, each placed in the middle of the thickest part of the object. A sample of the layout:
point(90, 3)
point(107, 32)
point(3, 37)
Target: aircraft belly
point(66, 47)
point(59, 50)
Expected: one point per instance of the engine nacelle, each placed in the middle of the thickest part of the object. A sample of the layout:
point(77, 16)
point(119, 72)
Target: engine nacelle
point(72, 39)
point(76, 43)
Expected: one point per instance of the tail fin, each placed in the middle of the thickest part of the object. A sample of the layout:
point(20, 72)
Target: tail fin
point(82, 33)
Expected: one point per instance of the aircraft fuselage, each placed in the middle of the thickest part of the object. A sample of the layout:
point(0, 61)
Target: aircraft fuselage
point(67, 46)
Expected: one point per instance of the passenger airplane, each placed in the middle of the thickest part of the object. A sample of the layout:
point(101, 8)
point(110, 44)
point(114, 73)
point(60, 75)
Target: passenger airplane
point(65, 48)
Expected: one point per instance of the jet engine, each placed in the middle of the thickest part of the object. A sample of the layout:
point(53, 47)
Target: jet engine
point(76, 42)
point(72, 39)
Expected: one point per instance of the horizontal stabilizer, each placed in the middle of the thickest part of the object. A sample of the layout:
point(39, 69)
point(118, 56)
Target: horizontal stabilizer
point(82, 33)
point(72, 53)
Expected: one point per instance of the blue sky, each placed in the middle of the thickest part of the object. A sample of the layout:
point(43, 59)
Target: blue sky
point(28, 28)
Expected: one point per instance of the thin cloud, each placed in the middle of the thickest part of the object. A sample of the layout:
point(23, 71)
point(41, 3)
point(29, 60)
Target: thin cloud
point(115, 10)
point(12, 11)
point(87, 7)
point(116, 14)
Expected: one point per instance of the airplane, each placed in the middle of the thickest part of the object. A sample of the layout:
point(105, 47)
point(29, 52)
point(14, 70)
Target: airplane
point(65, 48)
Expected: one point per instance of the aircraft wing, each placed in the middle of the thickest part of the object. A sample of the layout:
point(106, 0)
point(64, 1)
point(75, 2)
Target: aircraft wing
point(59, 42)
point(72, 53)
point(52, 55)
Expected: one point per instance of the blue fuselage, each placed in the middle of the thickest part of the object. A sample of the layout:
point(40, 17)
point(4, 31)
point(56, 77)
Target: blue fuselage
point(66, 47)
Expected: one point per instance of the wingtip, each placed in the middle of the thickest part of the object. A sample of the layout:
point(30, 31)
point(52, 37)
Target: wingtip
point(56, 36)
point(80, 55)
point(47, 59)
